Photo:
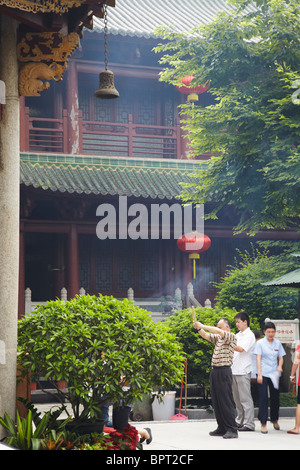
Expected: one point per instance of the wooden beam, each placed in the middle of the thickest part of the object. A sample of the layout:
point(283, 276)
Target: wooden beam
point(36, 21)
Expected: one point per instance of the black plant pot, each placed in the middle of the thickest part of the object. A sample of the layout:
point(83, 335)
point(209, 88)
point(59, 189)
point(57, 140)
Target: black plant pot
point(86, 427)
point(120, 417)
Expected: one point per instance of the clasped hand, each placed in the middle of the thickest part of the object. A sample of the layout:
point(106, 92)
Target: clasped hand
point(198, 325)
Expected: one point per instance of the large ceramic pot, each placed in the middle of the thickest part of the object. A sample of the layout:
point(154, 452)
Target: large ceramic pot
point(142, 409)
point(164, 409)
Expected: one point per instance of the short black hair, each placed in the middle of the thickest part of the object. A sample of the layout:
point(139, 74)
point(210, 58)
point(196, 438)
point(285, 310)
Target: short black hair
point(269, 324)
point(244, 317)
point(257, 334)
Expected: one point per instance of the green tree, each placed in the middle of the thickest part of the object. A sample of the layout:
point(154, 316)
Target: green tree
point(242, 289)
point(98, 345)
point(251, 59)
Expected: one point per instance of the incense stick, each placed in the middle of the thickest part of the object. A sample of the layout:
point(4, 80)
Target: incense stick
point(193, 314)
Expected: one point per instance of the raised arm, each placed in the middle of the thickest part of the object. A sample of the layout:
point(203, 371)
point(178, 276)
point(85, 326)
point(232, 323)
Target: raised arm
point(212, 329)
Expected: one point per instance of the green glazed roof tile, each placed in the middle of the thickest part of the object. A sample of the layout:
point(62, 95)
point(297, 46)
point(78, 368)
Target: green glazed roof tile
point(107, 176)
point(291, 279)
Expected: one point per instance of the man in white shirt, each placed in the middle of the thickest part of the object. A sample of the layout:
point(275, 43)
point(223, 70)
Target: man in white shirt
point(241, 373)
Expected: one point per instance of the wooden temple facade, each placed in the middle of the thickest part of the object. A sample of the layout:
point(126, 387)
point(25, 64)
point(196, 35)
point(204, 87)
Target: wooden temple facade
point(79, 152)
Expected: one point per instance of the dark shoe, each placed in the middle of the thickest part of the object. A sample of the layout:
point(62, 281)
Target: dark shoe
point(217, 432)
point(150, 435)
point(142, 439)
point(230, 435)
point(244, 428)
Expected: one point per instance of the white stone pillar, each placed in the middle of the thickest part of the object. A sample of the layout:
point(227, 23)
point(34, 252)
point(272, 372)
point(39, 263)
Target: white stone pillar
point(130, 294)
point(9, 216)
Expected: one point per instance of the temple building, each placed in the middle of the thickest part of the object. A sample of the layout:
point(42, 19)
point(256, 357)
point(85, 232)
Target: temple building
point(90, 188)
point(80, 155)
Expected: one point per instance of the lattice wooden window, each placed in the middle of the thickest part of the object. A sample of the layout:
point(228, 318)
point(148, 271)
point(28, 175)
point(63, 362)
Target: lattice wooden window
point(124, 104)
point(212, 264)
point(113, 266)
point(104, 265)
point(84, 262)
point(143, 99)
point(147, 265)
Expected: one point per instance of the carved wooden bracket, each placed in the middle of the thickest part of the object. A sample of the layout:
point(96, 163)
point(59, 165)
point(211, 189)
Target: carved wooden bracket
point(45, 57)
point(44, 6)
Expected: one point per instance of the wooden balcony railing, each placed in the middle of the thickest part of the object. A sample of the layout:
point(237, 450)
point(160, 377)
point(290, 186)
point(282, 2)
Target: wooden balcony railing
point(100, 138)
point(44, 134)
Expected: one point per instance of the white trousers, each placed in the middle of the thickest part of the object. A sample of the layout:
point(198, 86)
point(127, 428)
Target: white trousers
point(241, 389)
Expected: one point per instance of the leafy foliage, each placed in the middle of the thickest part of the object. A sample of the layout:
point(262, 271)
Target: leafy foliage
point(98, 345)
point(242, 288)
point(22, 435)
point(38, 433)
point(251, 60)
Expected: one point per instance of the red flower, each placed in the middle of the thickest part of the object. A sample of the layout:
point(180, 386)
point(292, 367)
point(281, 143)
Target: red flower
point(125, 440)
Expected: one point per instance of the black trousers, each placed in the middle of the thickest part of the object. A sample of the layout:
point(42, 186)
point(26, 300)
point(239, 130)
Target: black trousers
point(222, 398)
point(263, 401)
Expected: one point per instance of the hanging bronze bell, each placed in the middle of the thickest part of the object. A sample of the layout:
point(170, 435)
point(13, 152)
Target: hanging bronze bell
point(106, 90)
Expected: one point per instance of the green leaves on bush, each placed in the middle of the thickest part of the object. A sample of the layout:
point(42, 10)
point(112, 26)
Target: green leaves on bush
point(99, 345)
point(242, 289)
point(22, 435)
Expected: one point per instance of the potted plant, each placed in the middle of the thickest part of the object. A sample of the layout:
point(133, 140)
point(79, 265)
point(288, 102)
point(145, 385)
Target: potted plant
point(29, 433)
point(98, 344)
point(120, 415)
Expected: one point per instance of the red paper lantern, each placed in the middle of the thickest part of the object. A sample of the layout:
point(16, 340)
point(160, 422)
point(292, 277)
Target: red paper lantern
point(192, 92)
point(194, 243)
point(198, 241)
